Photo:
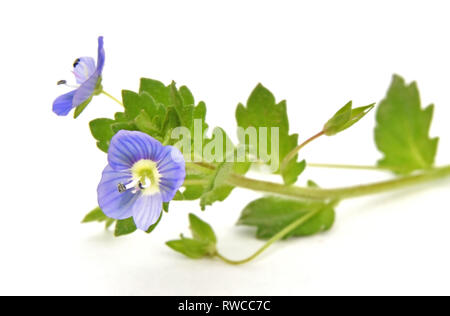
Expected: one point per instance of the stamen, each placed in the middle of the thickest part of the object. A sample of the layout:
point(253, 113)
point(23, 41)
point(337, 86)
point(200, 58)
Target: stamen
point(64, 82)
point(121, 188)
point(146, 183)
point(132, 185)
point(76, 62)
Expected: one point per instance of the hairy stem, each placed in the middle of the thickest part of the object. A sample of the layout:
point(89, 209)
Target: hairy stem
point(339, 193)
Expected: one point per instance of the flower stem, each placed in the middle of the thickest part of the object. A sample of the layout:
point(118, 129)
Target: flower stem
point(339, 193)
point(295, 151)
point(111, 97)
point(280, 235)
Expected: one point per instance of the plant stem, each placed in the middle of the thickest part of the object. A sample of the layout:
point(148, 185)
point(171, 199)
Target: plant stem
point(295, 151)
point(281, 234)
point(339, 193)
point(111, 97)
point(343, 166)
point(199, 167)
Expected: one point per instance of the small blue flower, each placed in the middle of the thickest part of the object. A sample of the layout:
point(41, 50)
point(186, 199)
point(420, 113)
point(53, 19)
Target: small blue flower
point(140, 176)
point(88, 77)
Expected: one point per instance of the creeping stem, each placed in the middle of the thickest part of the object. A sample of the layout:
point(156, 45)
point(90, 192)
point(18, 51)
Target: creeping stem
point(280, 235)
point(325, 194)
point(275, 238)
point(111, 97)
point(339, 193)
point(315, 193)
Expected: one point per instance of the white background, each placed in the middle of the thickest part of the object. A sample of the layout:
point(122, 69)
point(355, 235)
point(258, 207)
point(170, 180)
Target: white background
point(316, 54)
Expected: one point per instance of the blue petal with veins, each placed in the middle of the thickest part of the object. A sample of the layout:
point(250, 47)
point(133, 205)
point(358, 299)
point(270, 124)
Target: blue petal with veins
point(87, 75)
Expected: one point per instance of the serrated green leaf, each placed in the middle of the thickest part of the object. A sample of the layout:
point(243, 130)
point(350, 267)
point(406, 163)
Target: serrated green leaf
point(345, 118)
point(96, 215)
point(136, 103)
point(402, 130)
point(203, 243)
point(291, 173)
point(184, 111)
point(262, 111)
point(102, 132)
point(127, 126)
point(156, 89)
point(271, 214)
point(192, 248)
point(217, 190)
point(201, 230)
point(187, 96)
point(125, 227)
point(145, 124)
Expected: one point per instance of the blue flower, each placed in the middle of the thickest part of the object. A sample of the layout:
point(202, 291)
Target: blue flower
point(140, 176)
point(88, 77)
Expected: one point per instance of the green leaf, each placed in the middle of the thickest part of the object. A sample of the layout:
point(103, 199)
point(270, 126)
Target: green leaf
point(152, 228)
point(146, 124)
point(402, 130)
point(102, 132)
point(109, 222)
point(201, 230)
point(156, 110)
point(263, 111)
point(79, 109)
point(96, 215)
point(271, 214)
point(203, 243)
point(290, 174)
point(156, 89)
point(184, 111)
point(166, 207)
point(217, 190)
point(192, 248)
point(125, 227)
point(187, 96)
point(345, 118)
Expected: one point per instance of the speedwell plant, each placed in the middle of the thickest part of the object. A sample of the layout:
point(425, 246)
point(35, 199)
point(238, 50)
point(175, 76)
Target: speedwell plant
point(158, 152)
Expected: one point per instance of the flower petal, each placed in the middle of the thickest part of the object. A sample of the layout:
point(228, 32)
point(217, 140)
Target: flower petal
point(146, 210)
point(101, 56)
point(87, 88)
point(128, 147)
point(83, 68)
point(113, 203)
point(64, 103)
point(172, 170)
